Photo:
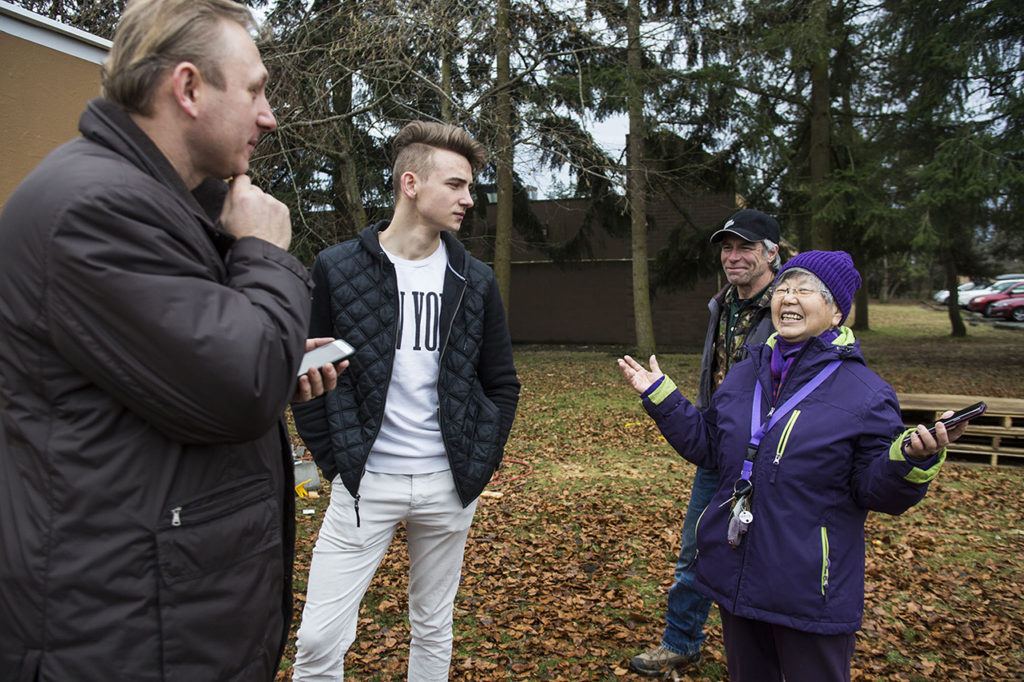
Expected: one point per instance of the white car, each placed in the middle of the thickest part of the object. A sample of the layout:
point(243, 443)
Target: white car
point(942, 295)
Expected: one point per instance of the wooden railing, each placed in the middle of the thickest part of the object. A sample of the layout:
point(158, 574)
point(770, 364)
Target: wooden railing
point(997, 434)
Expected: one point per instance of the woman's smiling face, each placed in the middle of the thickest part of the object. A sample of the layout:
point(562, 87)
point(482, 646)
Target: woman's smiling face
point(799, 309)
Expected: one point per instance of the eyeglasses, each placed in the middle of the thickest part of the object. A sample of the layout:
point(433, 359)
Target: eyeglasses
point(782, 292)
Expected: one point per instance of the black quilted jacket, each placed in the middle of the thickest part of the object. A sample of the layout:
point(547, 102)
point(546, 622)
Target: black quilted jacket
point(355, 298)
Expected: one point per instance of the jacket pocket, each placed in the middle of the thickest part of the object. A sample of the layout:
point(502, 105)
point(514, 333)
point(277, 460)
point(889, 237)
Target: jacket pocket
point(780, 449)
point(186, 550)
point(481, 426)
point(221, 583)
point(696, 529)
point(825, 563)
point(488, 408)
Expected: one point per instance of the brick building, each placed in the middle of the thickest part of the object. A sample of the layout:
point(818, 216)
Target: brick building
point(591, 301)
point(48, 72)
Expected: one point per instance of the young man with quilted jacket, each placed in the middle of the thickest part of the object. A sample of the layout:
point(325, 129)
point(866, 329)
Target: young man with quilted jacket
point(418, 423)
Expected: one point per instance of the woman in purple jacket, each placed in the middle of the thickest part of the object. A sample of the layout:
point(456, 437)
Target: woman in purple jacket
point(808, 440)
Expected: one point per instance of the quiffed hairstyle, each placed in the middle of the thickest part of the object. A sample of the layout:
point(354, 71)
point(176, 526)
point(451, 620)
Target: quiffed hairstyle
point(415, 143)
point(156, 35)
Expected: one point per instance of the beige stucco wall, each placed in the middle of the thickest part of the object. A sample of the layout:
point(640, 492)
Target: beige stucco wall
point(42, 94)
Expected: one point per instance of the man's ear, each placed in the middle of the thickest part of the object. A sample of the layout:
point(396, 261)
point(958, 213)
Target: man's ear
point(408, 183)
point(838, 317)
point(187, 84)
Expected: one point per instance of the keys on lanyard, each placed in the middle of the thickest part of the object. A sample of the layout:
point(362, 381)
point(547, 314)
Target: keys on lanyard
point(742, 490)
point(741, 517)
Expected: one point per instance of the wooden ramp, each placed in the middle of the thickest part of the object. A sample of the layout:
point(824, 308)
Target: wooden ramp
point(996, 435)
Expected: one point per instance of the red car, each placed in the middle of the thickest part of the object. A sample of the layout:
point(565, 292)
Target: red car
point(983, 304)
point(1008, 309)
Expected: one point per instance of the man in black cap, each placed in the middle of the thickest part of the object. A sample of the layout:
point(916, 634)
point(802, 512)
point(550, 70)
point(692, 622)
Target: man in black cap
point(740, 314)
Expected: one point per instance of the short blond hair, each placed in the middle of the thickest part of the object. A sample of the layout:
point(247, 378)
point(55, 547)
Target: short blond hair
point(154, 36)
point(416, 142)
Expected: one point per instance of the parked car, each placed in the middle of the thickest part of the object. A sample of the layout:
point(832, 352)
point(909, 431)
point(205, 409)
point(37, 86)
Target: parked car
point(983, 304)
point(996, 288)
point(1007, 309)
point(942, 295)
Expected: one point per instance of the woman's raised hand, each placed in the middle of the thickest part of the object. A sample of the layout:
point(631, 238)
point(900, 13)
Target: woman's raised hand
point(922, 445)
point(638, 377)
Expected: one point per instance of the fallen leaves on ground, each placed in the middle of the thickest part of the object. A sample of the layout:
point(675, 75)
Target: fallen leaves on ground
point(565, 575)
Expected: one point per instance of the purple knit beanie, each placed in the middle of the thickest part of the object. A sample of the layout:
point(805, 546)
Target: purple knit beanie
point(834, 268)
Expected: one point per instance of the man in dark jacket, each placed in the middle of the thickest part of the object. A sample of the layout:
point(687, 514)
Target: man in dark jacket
point(418, 423)
point(151, 327)
point(740, 317)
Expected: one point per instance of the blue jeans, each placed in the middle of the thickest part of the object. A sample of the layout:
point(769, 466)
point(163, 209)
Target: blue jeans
point(687, 608)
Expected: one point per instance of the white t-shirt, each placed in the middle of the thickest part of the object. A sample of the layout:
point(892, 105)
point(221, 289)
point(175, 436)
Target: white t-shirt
point(409, 441)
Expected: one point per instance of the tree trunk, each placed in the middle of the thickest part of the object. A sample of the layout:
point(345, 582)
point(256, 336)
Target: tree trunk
point(884, 294)
point(637, 189)
point(353, 193)
point(446, 84)
point(348, 196)
point(860, 318)
point(953, 302)
point(821, 230)
point(848, 141)
point(504, 159)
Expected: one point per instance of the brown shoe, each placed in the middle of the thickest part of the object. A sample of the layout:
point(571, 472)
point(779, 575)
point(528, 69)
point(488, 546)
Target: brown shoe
point(661, 661)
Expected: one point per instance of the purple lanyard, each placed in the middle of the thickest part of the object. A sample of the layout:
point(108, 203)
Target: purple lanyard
point(759, 428)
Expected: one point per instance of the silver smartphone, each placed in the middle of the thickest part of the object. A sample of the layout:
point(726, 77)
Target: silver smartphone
point(333, 352)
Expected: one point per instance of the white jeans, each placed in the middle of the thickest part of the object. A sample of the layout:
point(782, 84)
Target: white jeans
point(346, 557)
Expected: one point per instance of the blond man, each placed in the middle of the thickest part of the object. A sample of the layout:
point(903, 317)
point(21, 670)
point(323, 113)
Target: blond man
point(151, 326)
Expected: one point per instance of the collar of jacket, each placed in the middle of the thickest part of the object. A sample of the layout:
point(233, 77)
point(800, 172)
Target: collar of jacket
point(815, 355)
point(457, 261)
point(454, 276)
point(107, 124)
point(763, 300)
point(845, 338)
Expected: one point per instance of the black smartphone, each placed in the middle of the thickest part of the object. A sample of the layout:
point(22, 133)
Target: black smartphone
point(960, 416)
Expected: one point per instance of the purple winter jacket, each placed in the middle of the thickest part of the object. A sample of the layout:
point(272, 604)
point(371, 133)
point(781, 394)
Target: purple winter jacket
point(816, 475)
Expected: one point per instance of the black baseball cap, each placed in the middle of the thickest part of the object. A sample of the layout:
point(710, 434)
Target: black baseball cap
point(750, 225)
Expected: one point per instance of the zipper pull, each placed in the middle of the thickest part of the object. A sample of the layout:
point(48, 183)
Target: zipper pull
point(176, 517)
point(771, 411)
point(357, 511)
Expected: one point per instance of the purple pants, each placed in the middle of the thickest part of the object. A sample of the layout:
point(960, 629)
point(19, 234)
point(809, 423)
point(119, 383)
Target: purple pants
point(757, 651)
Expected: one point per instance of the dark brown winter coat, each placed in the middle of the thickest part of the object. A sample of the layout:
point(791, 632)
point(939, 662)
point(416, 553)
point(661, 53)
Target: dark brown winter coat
point(146, 523)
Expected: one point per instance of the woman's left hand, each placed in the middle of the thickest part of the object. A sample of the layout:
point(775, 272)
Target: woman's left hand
point(638, 377)
point(923, 445)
